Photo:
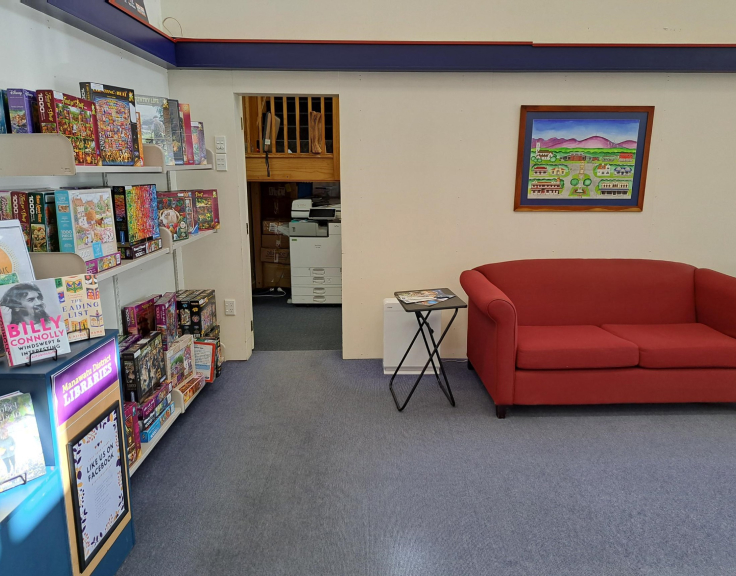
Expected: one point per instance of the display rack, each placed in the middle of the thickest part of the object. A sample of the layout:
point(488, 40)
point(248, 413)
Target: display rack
point(43, 155)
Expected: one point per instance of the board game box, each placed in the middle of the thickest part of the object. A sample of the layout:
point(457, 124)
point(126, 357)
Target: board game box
point(136, 213)
point(140, 249)
point(166, 318)
point(196, 144)
point(175, 129)
point(191, 386)
point(6, 205)
point(132, 432)
point(146, 422)
point(79, 297)
point(208, 209)
point(37, 221)
point(155, 123)
point(140, 317)
point(23, 111)
point(76, 119)
point(98, 265)
point(86, 222)
point(154, 398)
point(185, 119)
point(148, 435)
point(175, 213)
point(117, 123)
point(180, 360)
point(144, 366)
point(202, 144)
point(197, 311)
point(4, 113)
point(52, 231)
point(19, 203)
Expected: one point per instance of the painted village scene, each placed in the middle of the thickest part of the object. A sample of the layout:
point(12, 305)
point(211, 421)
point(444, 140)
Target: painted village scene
point(582, 158)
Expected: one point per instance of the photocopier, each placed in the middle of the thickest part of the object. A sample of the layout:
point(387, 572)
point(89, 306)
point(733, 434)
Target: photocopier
point(315, 246)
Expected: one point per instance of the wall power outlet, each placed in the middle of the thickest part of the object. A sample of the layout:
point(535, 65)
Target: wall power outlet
point(229, 307)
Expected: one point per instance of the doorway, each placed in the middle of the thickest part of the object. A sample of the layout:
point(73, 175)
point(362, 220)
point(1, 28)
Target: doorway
point(292, 154)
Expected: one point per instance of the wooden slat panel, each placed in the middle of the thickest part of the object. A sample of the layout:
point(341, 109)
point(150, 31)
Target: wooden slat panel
point(285, 124)
point(256, 231)
point(273, 124)
point(291, 168)
point(336, 136)
point(298, 136)
point(322, 111)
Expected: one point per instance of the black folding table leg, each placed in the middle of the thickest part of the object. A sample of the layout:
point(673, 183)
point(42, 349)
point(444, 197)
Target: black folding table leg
point(436, 350)
point(424, 320)
point(399, 406)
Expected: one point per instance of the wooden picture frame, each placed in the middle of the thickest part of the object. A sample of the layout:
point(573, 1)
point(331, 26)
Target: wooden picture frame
point(583, 158)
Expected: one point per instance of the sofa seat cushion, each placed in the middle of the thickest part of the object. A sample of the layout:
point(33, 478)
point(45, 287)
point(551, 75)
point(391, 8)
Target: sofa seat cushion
point(678, 345)
point(572, 347)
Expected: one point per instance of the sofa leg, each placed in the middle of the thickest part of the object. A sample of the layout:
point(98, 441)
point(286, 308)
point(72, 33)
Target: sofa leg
point(500, 412)
point(470, 366)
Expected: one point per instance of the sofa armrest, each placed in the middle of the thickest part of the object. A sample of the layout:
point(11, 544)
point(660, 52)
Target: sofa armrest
point(715, 300)
point(487, 297)
point(492, 330)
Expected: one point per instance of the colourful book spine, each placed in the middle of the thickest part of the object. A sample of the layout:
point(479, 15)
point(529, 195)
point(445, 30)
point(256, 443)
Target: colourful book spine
point(52, 232)
point(64, 221)
point(4, 114)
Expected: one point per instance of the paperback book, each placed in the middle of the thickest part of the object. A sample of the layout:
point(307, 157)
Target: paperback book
point(155, 123)
point(76, 119)
point(116, 123)
point(86, 222)
point(21, 454)
point(79, 297)
point(31, 322)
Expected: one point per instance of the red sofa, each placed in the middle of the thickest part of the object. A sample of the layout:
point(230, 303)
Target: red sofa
point(601, 332)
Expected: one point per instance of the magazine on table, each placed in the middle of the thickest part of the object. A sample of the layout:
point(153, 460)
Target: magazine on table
point(424, 297)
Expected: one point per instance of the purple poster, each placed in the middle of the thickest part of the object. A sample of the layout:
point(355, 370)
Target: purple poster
point(77, 385)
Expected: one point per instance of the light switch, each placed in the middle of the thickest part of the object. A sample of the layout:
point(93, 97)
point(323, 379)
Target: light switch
point(221, 162)
point(220, 145)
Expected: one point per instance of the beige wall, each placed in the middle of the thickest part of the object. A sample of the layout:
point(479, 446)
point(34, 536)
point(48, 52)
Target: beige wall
point(663, 21)
point(428, 170)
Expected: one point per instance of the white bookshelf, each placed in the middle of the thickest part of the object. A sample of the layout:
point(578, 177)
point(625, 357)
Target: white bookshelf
point(29, 156)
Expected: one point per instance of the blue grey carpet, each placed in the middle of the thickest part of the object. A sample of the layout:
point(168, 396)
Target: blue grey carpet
point(278, 325)
point(297, 463)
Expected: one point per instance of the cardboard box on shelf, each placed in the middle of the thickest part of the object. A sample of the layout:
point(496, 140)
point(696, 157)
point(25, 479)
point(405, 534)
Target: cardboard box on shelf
point(276, 227)
point(276, 200)
point(275, 255)
point(276, 275)
point(275, 241)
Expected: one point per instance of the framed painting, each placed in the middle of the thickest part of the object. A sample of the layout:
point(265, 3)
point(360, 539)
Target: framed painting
point(577, 158)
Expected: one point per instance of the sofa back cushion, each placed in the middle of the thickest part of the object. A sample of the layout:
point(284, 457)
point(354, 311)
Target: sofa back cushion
point(596, 291)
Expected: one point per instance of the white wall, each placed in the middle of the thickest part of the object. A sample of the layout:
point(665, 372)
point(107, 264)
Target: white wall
point(579, 21)
point(41, 52)
point(428, 172)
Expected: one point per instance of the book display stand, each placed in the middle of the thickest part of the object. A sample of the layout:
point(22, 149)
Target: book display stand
point(68, 397)
point(55, 357)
